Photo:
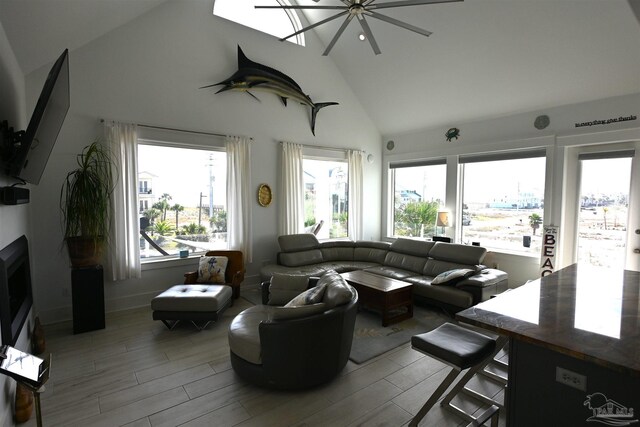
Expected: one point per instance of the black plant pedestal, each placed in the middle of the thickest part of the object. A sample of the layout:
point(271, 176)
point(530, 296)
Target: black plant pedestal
point(87, 289)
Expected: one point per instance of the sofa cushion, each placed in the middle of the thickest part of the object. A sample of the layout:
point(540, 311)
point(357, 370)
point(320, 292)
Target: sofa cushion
point(304, 270)
point(461, 254)
point(337, 251)
point(308, 297)
point(338, 293)
point(284, 287)
point(244, 333)
point(419, 248)
point(451, 277)
point(298, 242)
point(392, 272)
point(447, 294)
point(298, 311)
point(368, 251)
point(296, 259)
point(433, 267)
point(211, 269)
point(405, 262)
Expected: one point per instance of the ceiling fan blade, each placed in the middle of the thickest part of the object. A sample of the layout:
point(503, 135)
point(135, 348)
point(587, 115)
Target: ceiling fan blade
point(338, 34)
point(367, 32)
point(367, 2)
point(408, 3)
point(399, 23)
point(331, 18)
point(295, 6)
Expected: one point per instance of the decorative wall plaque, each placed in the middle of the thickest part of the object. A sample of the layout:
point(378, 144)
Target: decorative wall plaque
point(264, 195)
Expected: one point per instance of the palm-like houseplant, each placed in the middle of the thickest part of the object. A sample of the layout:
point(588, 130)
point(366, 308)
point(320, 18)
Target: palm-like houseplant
point(85, 202)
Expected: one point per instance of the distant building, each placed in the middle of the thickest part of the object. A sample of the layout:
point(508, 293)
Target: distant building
point(146, 198)
point(407, 196)
point(525, 200)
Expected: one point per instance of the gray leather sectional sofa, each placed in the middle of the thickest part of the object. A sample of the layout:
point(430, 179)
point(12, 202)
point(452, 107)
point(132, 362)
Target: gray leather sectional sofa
point(415, 261)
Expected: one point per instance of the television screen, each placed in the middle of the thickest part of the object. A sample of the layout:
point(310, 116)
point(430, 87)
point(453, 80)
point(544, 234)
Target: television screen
point(38, 140)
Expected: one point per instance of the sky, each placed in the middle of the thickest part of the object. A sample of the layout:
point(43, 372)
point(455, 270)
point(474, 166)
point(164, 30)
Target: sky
point(488, 180)
point(184, 173)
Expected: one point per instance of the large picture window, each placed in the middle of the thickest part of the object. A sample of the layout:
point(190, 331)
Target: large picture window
point(503, 200)
point(182, 199)
point(326, 190)
point(418, 194)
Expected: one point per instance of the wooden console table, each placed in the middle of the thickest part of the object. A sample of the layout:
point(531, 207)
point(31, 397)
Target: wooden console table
point(383, 294)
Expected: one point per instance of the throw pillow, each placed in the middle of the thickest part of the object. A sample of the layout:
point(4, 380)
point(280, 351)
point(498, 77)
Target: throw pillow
point(308, 297)
point(338, 292)
point(284, 287)
point(451, 277)
point(282, 313)
point(211, 269)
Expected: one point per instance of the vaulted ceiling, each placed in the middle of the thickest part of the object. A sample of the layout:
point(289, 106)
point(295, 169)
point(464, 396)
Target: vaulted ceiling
point(485, 59)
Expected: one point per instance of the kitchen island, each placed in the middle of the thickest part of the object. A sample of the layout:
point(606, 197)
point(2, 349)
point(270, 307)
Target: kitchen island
point(574, 348)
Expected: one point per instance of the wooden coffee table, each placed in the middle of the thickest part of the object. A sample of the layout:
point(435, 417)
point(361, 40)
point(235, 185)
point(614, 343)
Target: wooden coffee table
point(383, 294)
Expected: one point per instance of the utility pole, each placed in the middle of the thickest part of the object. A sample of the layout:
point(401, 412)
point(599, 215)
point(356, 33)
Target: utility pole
point(211, 181)
point(200, 209)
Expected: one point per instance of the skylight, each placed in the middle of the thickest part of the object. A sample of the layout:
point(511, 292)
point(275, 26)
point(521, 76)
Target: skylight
point(277, 22)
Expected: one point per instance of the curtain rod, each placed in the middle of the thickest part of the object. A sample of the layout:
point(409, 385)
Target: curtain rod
point(320, 147)
point(178, 130)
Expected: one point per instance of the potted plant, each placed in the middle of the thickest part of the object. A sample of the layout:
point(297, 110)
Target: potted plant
point(85, 202)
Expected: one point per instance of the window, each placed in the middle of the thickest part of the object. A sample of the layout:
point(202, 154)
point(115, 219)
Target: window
point(182, 198)
point(418, 194)
point(326, 197)
point(502, 200)
point(277, 22)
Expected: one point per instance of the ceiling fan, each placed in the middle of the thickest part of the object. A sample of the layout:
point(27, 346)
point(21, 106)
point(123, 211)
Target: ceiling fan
point(359, 9)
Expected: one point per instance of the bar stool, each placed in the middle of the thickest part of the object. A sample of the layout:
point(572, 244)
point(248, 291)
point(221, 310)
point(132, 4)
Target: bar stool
point(461, 349)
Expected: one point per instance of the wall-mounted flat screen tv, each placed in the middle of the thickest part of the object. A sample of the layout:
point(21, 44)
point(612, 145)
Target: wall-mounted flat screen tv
point(35, 144)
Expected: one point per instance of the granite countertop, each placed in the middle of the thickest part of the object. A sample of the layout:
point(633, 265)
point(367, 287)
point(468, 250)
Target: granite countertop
point(585, 312)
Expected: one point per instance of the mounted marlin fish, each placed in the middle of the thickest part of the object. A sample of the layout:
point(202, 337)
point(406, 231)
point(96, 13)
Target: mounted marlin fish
point(254, 76)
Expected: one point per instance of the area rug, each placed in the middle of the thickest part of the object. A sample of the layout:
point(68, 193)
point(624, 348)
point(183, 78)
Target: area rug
point(371, 339)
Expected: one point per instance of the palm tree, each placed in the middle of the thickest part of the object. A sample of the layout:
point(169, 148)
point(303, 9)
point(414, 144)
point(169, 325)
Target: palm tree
point(415, 215)
point(163, 205)
point(534, 221)
point(219, 221)
point(177, 208)
point(151, 214)
point(163, 228)
point(193, 228)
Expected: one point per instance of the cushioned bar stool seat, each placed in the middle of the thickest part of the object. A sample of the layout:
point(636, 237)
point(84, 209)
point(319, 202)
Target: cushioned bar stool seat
point(461, 349)
point(195, 303)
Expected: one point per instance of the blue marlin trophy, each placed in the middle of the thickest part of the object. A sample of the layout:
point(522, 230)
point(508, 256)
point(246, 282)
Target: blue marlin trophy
point(254, 76)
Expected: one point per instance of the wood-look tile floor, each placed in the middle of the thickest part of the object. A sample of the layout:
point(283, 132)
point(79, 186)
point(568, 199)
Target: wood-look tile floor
point(138, 373)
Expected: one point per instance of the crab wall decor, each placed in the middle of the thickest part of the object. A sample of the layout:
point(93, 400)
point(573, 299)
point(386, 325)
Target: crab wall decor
point(452, 133)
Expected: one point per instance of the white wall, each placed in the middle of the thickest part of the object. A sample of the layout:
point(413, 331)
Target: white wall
point(517, 132)
point(149, 71)
point(13, 219)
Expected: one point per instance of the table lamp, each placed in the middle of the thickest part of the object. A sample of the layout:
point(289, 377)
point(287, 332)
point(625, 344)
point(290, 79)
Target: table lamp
point(442, 220)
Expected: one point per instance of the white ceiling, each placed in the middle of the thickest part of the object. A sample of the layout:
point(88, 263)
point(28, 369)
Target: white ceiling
point(486, 58)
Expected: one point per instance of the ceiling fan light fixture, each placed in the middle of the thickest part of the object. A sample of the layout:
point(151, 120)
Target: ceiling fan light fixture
point(350, 9)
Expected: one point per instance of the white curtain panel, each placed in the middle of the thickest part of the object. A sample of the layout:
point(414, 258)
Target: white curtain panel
point(354, 224)
point(239, 232)
point(291, 201)
point(124, 250)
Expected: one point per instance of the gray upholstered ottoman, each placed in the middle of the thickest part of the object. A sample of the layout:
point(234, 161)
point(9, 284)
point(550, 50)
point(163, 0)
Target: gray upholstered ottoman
point(195, 303)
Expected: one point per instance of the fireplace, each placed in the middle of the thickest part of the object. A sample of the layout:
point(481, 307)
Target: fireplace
point(15, 289)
